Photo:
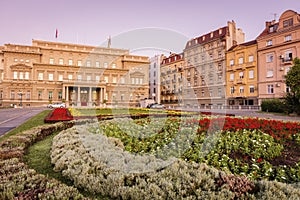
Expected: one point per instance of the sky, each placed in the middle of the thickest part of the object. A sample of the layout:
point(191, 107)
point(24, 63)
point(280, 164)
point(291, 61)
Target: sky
point(138, 25)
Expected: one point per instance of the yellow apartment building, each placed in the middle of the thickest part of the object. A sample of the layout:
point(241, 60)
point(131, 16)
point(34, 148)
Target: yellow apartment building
point(241, 75)
point(79, 75)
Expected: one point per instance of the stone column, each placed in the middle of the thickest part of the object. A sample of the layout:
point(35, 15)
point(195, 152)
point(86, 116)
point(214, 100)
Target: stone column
point(64, 92)
point(67, 94)
point(101, 95)
point(78, 96)
point(90, 103)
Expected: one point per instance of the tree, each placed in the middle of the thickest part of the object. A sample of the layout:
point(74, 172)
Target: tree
point(292, 98)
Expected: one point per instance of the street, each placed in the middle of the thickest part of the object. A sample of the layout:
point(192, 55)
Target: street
point(13, 117)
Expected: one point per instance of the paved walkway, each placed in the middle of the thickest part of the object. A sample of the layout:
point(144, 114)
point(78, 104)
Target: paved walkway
point(249, 113)
point(13, 117)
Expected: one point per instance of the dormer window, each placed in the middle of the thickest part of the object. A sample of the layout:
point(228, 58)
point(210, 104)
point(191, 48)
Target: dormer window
point(288, 22)
point(271, 29)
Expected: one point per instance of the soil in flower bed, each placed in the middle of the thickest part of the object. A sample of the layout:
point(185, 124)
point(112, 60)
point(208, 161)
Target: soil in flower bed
point(290, 155)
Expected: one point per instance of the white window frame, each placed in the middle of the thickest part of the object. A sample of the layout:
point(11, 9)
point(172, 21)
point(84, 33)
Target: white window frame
point(231, 62)
point(51, 61)
point(251, 58)
point(287, 38)
point(61, 61)
point(26, 76)
point(270, 73)
point(97, 64)
point(232, 77)
point(269, 43)
point(41, 76)
point(79, 63)
point(60, 77)
point(50, 77)
point(251, 89)
point(241, 60)
point(70, 62)
point(70, 76)
point(269, 57)
point(15, 75)
point(251, 74)
point(270, 89)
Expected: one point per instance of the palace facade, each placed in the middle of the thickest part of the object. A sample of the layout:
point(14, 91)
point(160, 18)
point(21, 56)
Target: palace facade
point(78, 75)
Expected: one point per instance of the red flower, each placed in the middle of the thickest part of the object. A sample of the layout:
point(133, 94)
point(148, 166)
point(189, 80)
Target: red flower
point(259, 160)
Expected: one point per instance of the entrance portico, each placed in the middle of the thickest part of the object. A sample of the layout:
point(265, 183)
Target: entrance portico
point(83, 95)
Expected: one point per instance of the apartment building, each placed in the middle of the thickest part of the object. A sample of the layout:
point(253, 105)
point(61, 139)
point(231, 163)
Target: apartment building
point(205, 66)
point(171, 80)
point(79, 75)
point(241, 75)
point(278, 45)
point(154, 77)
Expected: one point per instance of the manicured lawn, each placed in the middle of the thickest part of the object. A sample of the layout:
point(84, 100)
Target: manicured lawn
point(32, 122)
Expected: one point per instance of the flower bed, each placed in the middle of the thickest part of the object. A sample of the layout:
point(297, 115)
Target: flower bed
point(96, 160)
point(17, 181)
point(59, 114)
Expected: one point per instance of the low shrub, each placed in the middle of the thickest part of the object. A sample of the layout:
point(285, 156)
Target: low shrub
point(273, 105)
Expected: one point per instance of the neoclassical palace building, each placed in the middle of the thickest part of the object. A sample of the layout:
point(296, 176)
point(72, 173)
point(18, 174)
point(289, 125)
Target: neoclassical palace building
point(79, 75)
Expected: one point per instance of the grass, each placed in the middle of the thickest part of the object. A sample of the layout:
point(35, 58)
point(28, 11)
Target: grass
point(37, 120)
point(38, 158)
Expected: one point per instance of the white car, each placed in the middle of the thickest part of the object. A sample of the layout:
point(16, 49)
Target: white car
point(56, 105)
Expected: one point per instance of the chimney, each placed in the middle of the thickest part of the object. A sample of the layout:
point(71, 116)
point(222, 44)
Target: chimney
point(268, 24)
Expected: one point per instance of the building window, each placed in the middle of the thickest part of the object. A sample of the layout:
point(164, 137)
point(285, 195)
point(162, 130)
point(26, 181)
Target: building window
point(219, 92)
point(241, 60)
point(70, 62)
point(28, 95)
point(231, 62)
point(106, 79)
point(270, 57)
point(251, 58)
point(251, 88)
point(97, 64)
point(79, 77)
point(287, 89)
point(51, 61)
point(16, 60)
point(288, 56)
point(269, 42)
point(50, 77)
point(114, 79)
point(105, 65)
point(114, 65)
point(232, 77)
point(21, 75)
point(97, 78)
point(79, 63)
point(26, 75)
point(241, 74)
point(89, 78)
point(251, 74)
point(40, 94)
point(288, 22)
point(137, 81)
point(60, 95)
point(241, 89)
point(50, 95)
point(287, 70)
point(122, 80)
point(269, 73)
point(40, 76)
point(15, 75)
point(12, 94)
point(232, 90)
point(287, 38)
point(88, 63)
point(60, 77)
point(210, 92)
point(70, 76)
point(270, 89)
point(61, 61)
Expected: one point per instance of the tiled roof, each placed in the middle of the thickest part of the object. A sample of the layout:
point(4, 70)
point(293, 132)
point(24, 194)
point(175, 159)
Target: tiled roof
point(267, 32)
point(172, 58)
point(252, 42)
point(219, 33)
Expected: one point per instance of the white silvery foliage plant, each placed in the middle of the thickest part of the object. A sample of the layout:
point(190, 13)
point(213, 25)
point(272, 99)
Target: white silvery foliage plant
point(94, 162)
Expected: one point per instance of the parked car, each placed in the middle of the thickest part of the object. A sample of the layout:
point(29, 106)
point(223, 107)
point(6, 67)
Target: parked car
point(156, 106)
point(56, 105)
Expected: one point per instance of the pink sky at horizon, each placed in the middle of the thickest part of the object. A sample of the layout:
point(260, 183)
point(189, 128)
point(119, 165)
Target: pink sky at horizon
point(91, 22)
